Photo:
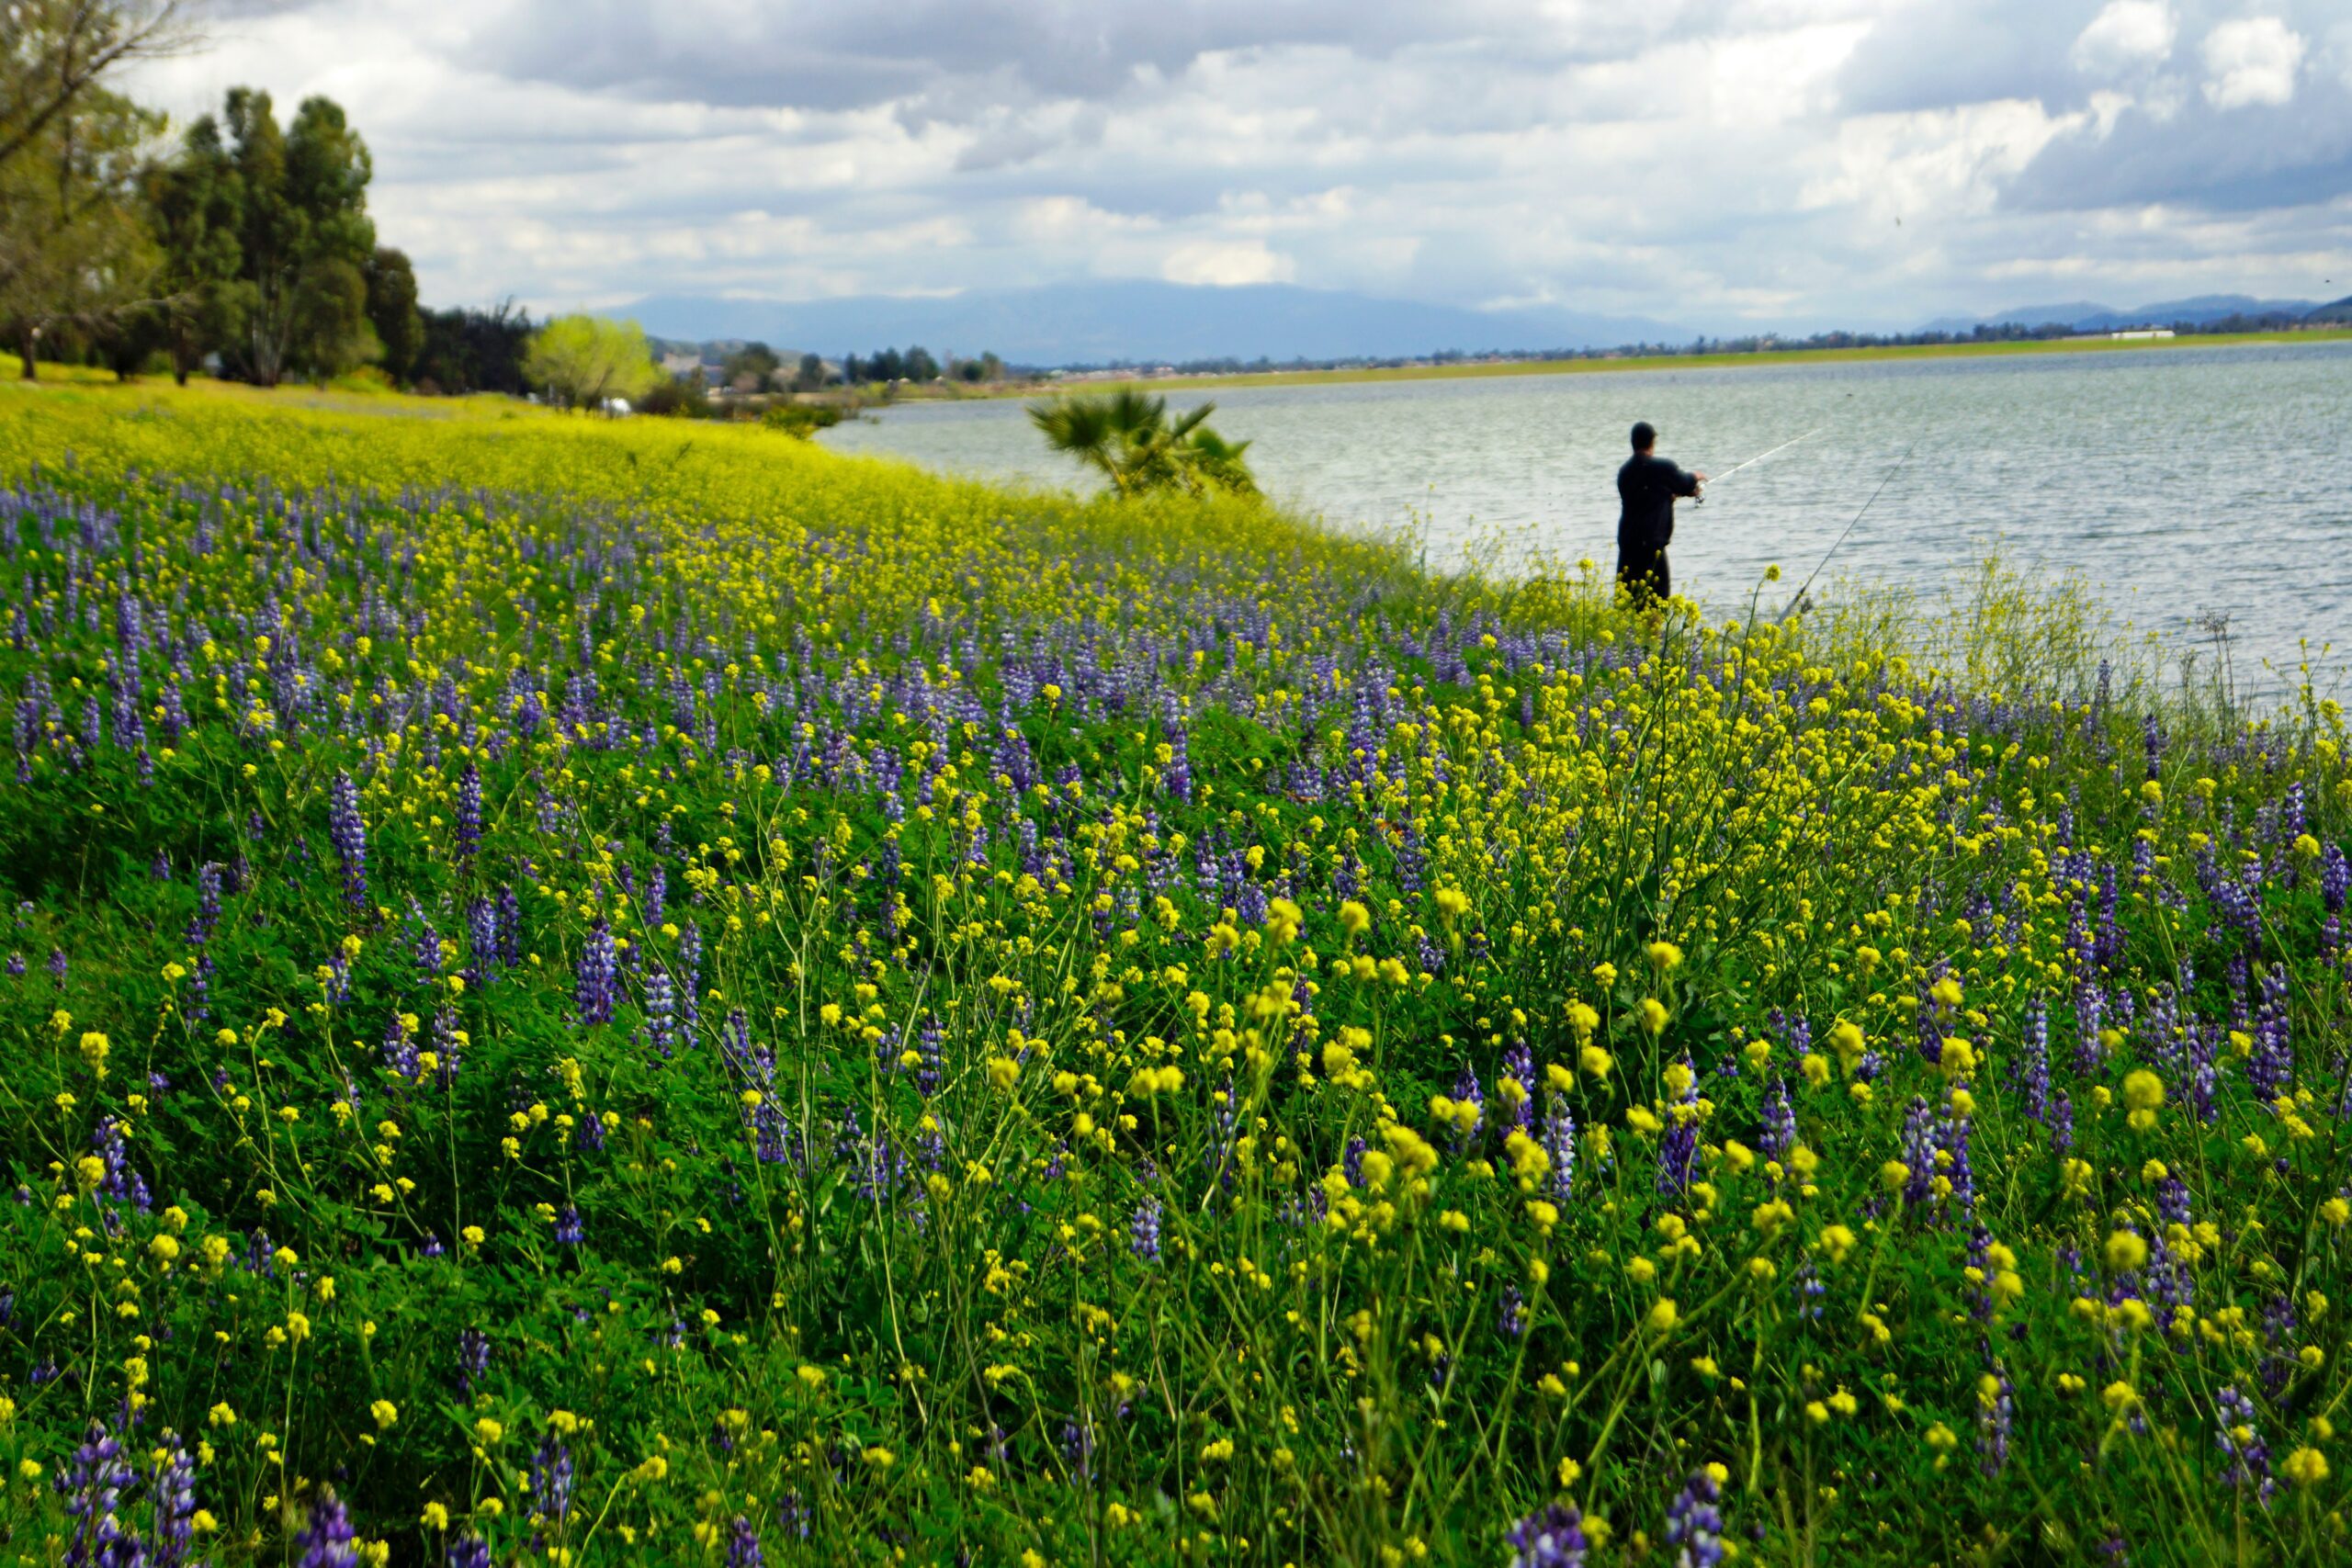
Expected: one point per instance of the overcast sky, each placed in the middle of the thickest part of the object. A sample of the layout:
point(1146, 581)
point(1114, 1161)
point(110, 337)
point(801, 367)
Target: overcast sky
point(1784, 163)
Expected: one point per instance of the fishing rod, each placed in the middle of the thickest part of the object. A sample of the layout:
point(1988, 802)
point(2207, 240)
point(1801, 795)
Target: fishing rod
point(1807, 583)
point(1702, 499)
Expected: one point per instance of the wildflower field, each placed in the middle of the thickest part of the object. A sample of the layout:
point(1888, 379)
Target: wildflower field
point(598, 993)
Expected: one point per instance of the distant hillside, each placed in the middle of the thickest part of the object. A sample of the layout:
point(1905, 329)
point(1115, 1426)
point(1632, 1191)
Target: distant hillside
point(2086, 317)
point(1142, 321)
point(2341, 310)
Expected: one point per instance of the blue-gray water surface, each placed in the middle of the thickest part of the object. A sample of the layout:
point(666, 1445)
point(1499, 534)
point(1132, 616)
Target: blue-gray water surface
point(2184, 484)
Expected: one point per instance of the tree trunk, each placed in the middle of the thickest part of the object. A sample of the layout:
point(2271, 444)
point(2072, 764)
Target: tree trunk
point(31, 347)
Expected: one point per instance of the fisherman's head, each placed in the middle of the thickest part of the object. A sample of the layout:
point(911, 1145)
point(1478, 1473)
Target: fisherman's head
point(1644, 436)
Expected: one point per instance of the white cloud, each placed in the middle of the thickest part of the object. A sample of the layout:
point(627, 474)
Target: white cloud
point(2128, 35)
point(1226, 264)
point(1935, 162)
point(1703, 162)
point(2252, 61)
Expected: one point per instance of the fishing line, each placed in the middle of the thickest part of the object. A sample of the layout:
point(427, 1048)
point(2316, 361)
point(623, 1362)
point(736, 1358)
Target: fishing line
point(1702, 499)
point(1849, 528)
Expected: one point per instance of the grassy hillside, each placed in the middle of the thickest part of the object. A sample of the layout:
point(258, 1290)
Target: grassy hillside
point(597, 992)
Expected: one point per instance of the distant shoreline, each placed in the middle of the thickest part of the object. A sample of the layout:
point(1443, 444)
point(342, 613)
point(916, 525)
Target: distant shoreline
point(1680, 362)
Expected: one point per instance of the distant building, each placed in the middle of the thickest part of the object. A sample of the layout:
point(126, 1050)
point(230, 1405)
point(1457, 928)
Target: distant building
point(682, 366)
point(2137, 334)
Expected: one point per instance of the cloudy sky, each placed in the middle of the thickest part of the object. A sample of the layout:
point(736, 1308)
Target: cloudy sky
point(1786, 163)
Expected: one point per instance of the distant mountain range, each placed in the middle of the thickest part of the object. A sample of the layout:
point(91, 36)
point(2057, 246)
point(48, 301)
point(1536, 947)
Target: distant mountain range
point(1115, 321)
point(2083, 316)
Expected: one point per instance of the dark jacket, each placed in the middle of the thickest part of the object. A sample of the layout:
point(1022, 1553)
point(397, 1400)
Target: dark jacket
point(1646, 486)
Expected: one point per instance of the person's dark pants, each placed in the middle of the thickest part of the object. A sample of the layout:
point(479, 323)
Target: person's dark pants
point(1642, 578)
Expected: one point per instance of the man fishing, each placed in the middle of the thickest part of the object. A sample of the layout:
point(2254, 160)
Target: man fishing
point(1646, 487)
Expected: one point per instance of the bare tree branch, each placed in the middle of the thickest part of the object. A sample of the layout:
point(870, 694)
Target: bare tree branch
point(57, 49)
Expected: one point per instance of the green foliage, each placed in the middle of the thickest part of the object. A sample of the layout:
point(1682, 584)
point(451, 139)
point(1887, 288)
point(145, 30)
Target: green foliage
point(193, 201)
point(677, 399)
point(801, 421)
point(915, 364)
point(468, 350)
point(391, 311)
point(581, 360)
point(751, 368)
point(75, 258)
point(304, 240)
point(1128, 437)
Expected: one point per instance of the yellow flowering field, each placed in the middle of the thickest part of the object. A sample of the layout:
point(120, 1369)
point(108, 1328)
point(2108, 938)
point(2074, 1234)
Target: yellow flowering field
point(605, 992)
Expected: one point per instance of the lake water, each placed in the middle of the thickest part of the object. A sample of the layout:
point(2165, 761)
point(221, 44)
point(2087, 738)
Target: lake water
point(2185, 483)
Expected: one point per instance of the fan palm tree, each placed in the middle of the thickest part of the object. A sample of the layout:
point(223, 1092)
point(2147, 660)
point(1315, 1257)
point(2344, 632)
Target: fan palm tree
point(1128, 438)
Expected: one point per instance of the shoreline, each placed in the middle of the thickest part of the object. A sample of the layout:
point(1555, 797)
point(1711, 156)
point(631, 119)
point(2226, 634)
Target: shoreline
point(1603, 365)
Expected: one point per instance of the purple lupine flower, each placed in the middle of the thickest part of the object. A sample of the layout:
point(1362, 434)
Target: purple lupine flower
point(2334, 878)
point(598, 974)
point(2090, 1012)
point(1678, 1152)
point(121, 1183)
point(482, 940)
point(1805, 1291)
point(1519, 1067)
point(399, 1047)
point(1077, 1449)
point(446, 1045)
point(927, 1052)
point(207, 904)
point(1143, 1236)
point(1952, 1145)
point(689, 970)
point(551, 1479)
point(1777, 1135)
point(425, 941)
point(2240, 1440)
point(743, 1545)
point(1560, 1143)
point(509, 929)
point(2029, 1070)
point(175, 1494)
point(468, 1552)
point(2270, 1069)
point(568, 1231)
point(1510, 1317)
point(473, 1357)
point(468, 813)
point(1551, 1537)
point(1467, 1092)
point(348, 831)
point(1694, 1522)
point(325, 1537)
point(92, 1481)
point(1996, 1409)
point(1918, 1154)
point(660, 1006)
